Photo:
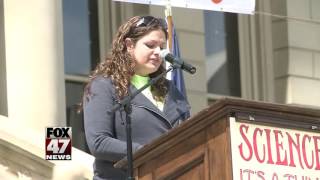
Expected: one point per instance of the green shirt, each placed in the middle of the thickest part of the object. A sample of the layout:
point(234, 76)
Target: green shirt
point(139, 81)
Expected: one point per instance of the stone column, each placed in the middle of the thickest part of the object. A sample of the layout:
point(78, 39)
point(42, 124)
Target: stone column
point(296, 42)
point(3, 82)
point(34, 64)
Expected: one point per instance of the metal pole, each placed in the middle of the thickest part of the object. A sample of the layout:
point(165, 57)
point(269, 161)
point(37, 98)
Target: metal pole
point(168, 13)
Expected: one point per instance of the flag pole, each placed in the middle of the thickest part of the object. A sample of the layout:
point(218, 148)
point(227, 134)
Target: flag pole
point(168, 13)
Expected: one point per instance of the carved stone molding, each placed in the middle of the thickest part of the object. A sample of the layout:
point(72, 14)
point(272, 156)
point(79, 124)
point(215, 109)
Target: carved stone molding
point(23, 164)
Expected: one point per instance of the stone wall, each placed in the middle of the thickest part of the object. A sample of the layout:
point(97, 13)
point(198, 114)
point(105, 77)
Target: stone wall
point(296, 41)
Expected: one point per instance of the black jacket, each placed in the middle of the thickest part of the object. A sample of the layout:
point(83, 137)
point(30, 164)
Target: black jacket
point(105, 131)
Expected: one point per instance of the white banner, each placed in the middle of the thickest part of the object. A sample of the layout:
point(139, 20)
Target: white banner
point(270, 153)
point(236, 6)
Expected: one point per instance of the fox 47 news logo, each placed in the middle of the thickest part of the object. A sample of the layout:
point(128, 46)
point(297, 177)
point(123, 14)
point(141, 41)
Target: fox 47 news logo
point(58, 143)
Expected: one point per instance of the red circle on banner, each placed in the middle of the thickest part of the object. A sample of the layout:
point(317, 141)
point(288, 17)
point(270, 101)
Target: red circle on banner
point(216, 1)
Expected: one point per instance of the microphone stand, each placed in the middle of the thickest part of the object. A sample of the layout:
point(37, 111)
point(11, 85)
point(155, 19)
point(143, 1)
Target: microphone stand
point(126, 104)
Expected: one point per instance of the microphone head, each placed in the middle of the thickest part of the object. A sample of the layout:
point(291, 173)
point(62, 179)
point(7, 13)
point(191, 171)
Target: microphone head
point(164, 53)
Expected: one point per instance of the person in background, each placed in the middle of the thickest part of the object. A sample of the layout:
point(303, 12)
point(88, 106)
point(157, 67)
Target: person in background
point(133, 60)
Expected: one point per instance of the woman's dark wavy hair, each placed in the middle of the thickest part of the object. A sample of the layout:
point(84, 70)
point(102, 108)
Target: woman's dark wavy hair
point(119, 65)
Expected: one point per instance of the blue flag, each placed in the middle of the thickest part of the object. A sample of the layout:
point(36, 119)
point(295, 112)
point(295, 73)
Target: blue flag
point(177, 75)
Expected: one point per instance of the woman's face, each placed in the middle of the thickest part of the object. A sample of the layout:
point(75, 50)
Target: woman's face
point(146, 52)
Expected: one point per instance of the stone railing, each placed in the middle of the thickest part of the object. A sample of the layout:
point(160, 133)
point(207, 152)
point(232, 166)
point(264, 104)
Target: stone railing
point(23, 158)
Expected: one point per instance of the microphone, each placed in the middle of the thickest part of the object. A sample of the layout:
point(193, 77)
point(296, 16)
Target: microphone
point(166, 55)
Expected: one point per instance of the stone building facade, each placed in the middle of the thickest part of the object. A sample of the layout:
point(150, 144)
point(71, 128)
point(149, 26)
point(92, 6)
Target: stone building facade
point(256, 57)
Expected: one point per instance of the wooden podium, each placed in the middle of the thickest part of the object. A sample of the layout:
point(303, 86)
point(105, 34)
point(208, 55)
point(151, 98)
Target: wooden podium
point(207, 146)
